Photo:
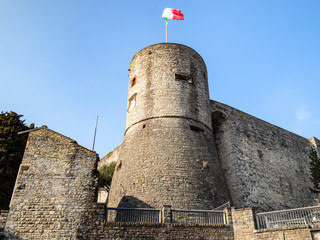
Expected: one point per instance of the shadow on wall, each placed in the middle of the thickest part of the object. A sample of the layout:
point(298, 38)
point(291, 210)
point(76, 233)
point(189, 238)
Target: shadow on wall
point(132, 202)
point(134, 213)
point(218, 119)
point(8, 235)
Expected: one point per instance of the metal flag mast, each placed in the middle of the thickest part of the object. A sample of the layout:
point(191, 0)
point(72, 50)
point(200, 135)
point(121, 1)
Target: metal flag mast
point(166, 30)
point(95, 132)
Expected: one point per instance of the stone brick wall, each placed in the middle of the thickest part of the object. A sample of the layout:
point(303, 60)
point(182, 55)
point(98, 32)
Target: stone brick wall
point(55, 187)
point(110, 157)
point(266, 167)
point(163, 168)
point(106, 160)
point(96, 228)
point(316, 234)
point(244, 229)
point(3, 220)
point(161, 232)
point(167, 156)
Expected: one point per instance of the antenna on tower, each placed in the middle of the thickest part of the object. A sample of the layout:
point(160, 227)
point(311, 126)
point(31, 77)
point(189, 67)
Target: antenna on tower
point(95, 132)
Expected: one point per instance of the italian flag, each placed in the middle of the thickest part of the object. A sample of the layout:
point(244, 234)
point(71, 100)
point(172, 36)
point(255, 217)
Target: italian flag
point(169, 13)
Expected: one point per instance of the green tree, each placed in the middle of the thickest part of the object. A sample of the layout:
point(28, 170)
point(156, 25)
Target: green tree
point(11, 152)
point(105, 176)
point(314, 169)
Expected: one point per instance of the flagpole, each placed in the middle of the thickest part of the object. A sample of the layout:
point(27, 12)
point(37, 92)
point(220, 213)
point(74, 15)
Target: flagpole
point(95, 132)
point(166, 30)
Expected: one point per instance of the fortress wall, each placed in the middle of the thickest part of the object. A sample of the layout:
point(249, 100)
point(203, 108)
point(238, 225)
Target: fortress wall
point(133, 231)
point(266, 167)
point(110, 157)
point(54, 189)
point(106, 160)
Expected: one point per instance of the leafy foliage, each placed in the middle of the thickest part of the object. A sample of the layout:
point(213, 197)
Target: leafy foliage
point(11, 152)
point(315, 169)
point(105, 177)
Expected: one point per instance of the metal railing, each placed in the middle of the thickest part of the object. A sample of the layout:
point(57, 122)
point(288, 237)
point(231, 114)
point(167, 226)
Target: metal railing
point(181, 216)
point(223, 206)
point(129, 215)
point(199, 217)
point(288, 218)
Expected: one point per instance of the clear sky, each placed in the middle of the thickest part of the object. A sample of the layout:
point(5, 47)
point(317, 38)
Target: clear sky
point(63, 62)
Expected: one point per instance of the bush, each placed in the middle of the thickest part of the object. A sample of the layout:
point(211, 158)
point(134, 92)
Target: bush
point(105, 176)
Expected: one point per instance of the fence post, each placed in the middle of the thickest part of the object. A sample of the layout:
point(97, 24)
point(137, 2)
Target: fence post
point(227, 216)
point(166, 214)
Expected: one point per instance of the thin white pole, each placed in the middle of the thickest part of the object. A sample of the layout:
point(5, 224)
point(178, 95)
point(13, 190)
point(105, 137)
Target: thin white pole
point(166, 30)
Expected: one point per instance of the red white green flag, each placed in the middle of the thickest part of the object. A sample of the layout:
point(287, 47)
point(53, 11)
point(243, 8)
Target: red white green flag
point(169, 13)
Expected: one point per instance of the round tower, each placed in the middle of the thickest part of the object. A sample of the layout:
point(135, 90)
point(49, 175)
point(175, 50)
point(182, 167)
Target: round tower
point(168, 155)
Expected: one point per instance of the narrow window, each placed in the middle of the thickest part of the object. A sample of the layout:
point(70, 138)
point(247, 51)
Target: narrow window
point(132, 102)
point(181, 77)
point(196, 129)
point(24, 168)
point(133, 81)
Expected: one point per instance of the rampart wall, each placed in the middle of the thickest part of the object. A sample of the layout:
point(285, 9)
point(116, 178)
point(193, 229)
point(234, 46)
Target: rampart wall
point(55, 187)
point(161, 232)
point(241, 226)
point(110, 157)
point(265, 167)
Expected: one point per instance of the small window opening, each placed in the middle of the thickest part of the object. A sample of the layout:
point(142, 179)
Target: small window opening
point(143, 126)
point(183, 78)
point(119, 166)
point(133, 81)
point(24, 168)
point(132, 102)
point(196, 129)
point(21, 187)
point(150, 52)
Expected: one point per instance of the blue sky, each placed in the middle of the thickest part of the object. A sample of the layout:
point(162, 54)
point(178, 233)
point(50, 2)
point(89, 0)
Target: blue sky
point(62, 63)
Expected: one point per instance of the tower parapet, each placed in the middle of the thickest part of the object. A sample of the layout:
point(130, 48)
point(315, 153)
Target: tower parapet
point(168, 80)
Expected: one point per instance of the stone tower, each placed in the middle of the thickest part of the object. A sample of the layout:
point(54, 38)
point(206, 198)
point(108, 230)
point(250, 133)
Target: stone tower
point(168, 155)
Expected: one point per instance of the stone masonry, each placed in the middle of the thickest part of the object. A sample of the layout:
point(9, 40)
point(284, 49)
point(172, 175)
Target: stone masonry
point(55, 187)
point(266, 167)
point(180, 150)
point(262, 165)
point(167, 156)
